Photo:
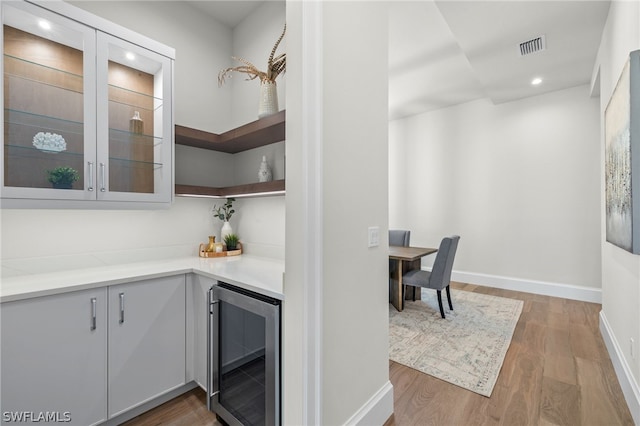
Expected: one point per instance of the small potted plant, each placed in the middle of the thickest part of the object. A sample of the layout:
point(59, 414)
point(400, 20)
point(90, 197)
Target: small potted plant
point(231, 240)
point(63, 177)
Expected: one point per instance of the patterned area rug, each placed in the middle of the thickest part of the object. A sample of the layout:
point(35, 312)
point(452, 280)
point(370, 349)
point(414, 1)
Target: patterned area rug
point(467, 348)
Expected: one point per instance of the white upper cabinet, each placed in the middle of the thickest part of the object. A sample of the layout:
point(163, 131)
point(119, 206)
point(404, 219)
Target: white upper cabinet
point(87, 111)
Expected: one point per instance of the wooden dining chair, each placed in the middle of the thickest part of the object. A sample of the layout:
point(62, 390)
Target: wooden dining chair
point(439, 277)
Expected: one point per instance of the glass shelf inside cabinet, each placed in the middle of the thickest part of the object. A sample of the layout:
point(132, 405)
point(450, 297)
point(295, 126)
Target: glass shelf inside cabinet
point(31, 135)
point(126, 175)
point(132, 164)
point(36, 144)
point(27, 70)
point(133, 98)
point(124, 137)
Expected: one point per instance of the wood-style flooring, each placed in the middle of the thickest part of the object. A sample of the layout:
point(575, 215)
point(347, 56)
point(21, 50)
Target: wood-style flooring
point(557, 372)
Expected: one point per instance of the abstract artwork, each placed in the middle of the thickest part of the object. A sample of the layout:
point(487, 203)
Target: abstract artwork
point(622, 159)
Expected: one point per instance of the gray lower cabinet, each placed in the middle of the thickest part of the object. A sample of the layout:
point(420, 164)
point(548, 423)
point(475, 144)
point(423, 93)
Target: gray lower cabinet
point(146, 341)
point(198, 306)
point(54, 359)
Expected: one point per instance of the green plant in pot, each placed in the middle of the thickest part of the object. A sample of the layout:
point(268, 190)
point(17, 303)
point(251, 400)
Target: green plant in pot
point(231, 240)
point(63, 177)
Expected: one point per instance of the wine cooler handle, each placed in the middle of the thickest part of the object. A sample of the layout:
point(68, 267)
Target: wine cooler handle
point(121, 296)
point(103, 184)
point(209, 348)
point(90, 187)
point(93, 313)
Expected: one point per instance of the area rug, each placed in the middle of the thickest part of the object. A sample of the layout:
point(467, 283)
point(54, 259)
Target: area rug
point(467, 348)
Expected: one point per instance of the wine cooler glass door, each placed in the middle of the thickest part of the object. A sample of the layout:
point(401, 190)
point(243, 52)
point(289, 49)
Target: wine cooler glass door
point(246, 359)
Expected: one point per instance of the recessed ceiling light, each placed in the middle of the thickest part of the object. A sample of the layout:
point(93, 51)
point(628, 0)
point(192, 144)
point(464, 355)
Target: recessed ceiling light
point(130, 56)
point(44, 24)
point(536, 81)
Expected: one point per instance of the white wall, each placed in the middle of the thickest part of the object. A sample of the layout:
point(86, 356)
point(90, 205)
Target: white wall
point(355, 196)
point(620, 269)
point(517, 181)
point(336, 295)
point(253, 40)
point(41, 240)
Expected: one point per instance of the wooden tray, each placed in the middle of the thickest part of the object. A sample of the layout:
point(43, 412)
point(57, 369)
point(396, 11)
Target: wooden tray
point(225, 253)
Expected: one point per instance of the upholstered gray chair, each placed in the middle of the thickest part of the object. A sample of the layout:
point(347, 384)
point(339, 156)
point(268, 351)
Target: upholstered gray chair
point(440, 276)
point(397, 237)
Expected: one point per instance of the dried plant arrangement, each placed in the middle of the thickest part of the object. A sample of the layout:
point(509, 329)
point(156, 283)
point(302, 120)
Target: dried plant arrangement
point(276, 65)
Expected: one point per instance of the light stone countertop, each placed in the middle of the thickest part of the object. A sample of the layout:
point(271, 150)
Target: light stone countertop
point(259, 274)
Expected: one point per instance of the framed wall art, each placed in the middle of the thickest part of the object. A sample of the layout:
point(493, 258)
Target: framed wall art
point(622, 159)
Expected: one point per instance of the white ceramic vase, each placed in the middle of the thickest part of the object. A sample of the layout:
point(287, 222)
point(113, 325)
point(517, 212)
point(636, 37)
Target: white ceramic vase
point(264, 172)
point(268, 98)
point(226, 230)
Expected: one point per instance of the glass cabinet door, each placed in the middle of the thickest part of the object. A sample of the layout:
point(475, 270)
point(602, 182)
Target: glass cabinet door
point(49, 105)
point(134, 122)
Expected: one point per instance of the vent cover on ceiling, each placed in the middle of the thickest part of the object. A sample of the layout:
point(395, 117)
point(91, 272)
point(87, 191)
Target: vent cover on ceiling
point(534, 45)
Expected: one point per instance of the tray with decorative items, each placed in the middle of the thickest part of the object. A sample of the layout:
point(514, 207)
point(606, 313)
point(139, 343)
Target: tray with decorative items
point(213, 249)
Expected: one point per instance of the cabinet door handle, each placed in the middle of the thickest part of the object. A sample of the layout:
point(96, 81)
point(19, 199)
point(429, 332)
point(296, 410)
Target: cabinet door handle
point(93, 313)
point(121, 295)
point(90, 187)
point(103, 184)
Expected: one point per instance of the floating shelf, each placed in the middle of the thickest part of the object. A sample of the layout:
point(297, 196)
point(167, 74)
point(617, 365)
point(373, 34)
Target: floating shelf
point(265, 131)
point(258, 133)
point(275, 187)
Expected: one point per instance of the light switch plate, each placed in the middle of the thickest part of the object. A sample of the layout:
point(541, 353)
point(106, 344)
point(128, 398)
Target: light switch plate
point(374, 236)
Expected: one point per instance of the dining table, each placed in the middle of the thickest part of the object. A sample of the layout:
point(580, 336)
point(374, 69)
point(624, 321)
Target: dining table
point(408, 258)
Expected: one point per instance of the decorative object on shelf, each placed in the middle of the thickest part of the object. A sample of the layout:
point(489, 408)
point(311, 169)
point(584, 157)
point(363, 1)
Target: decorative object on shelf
point(264, 173)
point(231, 240)
point(211, 247)
point(135, 124)
point(226, 229)
point(276, 65)
point(224, 213)
point(51, 143)
point(268, 99)
point(63, 177)
point(202, 251)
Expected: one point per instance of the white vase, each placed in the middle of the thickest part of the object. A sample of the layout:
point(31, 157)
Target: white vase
point(264, 172)
point(226, 230)
point(268, 98)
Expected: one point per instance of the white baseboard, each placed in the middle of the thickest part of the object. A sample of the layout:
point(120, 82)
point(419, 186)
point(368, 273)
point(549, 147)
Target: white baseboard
point(566, 291)
point(628, 384)
point(377, 410)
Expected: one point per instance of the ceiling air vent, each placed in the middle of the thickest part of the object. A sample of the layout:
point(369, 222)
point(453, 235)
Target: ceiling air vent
point(534, 45)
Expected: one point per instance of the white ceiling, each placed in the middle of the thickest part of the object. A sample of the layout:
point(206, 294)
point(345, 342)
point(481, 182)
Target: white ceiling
point(446, 52)
point(229, 12)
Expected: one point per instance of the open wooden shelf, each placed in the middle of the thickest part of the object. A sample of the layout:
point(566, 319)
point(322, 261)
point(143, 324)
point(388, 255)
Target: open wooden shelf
point(258, 133)
point(275, 187)
point(265, 131)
